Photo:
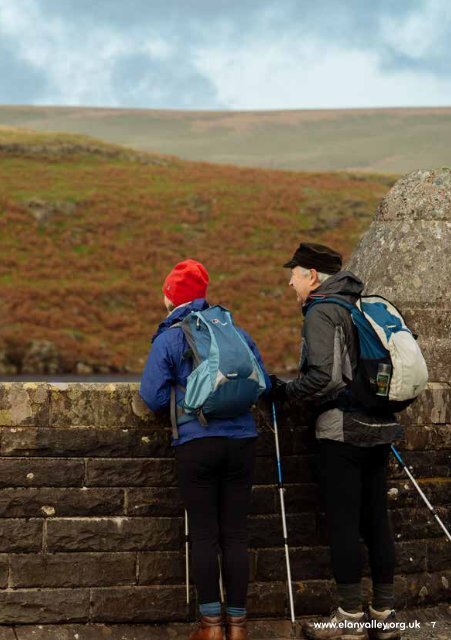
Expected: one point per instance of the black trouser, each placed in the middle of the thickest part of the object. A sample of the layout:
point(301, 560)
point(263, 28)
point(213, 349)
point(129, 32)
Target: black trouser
point(215, 478)
point(355, 494)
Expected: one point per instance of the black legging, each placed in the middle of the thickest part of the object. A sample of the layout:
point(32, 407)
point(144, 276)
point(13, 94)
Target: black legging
point(355, 493)
point(215, 478)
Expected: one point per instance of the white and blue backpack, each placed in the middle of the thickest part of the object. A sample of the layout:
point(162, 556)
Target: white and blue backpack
point(226, 379)
point(391, 371)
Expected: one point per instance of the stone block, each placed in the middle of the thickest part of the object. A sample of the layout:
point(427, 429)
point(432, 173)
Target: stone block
point(404, 494)
point(437, 437)
point(72, 570)
point(161, 567)
point(433, 406)
point(266, 447)
point(428, 321)
point(24, 472)
point(439, 369)
point(24, 404)
point(263, 500)
point(295, 469)
point(21, 536)
point(154, 501)
point(33, 606)
point(438, 554)
point(131, 472)
point(428, 588)
point(289, 416)
point(411, 557)
point(44, 502)
point(267, 599)
point(422, 464)
point(307, 563)
point(101, 632)
point(138, 604)
point(312, 597)
point(111, 405)
point(416, 523)
point(114, 534)
point(87, 441)
point(266, 531)
point(301, 498)
point(4, 568)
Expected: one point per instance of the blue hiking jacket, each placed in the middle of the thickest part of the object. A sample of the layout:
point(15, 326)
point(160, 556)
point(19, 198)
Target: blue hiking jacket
point(165, 367)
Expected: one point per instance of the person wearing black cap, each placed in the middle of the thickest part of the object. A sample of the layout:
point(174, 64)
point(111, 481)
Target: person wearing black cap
point(353, 444)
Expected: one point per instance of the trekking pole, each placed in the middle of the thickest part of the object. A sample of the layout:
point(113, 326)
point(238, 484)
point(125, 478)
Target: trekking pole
point(221, 584)
point(415, 484)
point(187, 561)
point(284, 520)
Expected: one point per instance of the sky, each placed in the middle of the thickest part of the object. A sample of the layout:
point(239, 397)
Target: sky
point(226, 54)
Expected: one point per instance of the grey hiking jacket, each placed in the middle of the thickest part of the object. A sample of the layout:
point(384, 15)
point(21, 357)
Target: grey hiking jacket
point(329, 359)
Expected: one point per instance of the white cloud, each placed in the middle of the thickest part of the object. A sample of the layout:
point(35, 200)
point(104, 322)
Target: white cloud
point(79, 66)
point(272, 54)
point(314, 74)
point(420, 34)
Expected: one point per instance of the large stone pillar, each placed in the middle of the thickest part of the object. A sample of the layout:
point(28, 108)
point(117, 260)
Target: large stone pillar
point(405, 256)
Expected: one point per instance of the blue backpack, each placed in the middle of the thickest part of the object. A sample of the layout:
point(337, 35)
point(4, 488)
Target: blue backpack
point(391, 371)
point(226, 379)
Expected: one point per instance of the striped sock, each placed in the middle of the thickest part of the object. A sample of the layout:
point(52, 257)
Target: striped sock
point(210, 609)
point(235, 612)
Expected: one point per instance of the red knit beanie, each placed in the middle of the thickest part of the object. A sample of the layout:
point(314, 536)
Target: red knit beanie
point(187, 281)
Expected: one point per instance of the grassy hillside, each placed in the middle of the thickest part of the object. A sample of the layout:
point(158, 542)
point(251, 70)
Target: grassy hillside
point(370, 140)
point(89, 231)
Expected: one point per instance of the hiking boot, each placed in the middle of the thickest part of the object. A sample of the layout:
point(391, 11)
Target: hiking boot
point(383, 624)
point(236, 628)
point(210, 628)
point(340, 625)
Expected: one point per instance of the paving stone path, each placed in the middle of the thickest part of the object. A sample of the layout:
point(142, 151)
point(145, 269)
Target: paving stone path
point(435, 624)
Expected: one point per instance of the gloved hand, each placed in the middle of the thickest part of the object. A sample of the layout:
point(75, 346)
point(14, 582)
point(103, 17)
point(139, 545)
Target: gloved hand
point(278, 392)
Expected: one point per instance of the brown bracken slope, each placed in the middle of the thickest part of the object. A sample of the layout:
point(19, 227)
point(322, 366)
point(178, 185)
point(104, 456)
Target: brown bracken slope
point(88, 232)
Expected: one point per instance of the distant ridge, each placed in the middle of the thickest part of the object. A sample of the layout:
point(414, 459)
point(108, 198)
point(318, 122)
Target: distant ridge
point(372, 140)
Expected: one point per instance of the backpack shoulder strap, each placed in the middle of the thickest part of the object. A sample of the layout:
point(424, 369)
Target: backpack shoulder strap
point(343, 303)
point(173, 402)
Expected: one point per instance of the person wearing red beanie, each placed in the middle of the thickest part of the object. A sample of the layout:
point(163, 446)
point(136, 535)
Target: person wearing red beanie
point(220, 453)
point(187, 281)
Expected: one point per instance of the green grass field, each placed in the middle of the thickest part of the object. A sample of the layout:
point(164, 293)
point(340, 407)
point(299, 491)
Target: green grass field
point(370, 140)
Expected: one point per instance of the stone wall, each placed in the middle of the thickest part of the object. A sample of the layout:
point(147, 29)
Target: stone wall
point(91, 523)
point(91, 526)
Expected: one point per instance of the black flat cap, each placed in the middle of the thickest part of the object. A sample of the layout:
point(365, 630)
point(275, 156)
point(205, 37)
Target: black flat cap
point(316, 256)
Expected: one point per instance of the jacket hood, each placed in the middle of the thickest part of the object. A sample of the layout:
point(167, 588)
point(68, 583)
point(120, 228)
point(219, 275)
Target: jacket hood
point(344, 283)
point(178, 314)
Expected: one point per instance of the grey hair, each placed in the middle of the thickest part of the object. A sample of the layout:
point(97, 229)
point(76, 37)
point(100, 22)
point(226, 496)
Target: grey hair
point(322, 277)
